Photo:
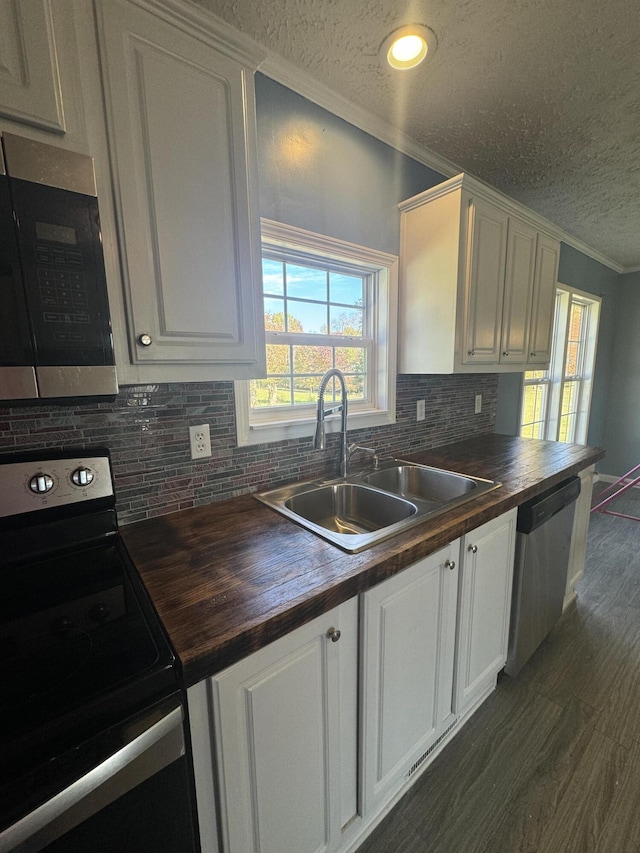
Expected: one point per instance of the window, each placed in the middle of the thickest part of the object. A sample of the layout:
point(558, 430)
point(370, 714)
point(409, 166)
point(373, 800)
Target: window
point(327, 304)
point(556, 402)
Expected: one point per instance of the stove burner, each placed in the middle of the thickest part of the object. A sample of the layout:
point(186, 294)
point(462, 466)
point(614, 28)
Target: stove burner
point(42, 665)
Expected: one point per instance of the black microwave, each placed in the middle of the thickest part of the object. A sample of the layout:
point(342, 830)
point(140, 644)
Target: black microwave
point(55, 329)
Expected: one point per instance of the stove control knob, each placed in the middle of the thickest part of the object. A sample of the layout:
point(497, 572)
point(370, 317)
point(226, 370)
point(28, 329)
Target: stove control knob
point(100, 613)
point(82, 477)
point(41, 483)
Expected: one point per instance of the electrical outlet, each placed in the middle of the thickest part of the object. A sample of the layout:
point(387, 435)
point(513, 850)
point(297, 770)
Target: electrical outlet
point(478, 408)
point(420, 410)
point(200, 441)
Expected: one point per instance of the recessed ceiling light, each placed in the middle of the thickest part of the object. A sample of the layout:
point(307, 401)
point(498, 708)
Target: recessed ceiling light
point(408, 46)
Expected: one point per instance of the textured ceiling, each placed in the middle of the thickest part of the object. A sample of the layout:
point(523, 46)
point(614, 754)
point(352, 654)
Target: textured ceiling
point(539, 98)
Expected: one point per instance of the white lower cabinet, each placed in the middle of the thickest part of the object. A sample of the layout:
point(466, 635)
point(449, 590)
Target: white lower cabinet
point(578, 550)
point(286, 741)
point(486, 577)
point(408, 640)
point(302, 746)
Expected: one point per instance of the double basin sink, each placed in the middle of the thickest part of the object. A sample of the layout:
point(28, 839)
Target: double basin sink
point(363, 509)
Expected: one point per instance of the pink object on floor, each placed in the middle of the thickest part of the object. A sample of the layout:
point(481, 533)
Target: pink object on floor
point(628, 481)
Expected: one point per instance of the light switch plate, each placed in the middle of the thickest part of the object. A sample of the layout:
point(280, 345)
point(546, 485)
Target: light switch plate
point(420, 410)
point(478, 408)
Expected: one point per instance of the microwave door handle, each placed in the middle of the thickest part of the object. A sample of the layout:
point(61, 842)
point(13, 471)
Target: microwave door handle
point(166, 735)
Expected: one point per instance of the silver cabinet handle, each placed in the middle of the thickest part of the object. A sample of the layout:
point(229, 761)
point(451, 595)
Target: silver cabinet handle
point(450, 564)
point(333, 634)
point(505, 352)
point(471, 352)
point(473, 549)
point(145, 340)
point(533, 355)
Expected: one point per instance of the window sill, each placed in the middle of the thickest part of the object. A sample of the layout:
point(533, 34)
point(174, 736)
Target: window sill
point(268, 433)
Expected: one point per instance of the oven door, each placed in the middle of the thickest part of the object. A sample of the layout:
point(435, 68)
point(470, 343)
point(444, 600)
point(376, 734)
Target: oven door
point(135, 797)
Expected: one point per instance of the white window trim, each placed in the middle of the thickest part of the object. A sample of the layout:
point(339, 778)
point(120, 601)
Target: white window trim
point(556, 379)
point(370, 261)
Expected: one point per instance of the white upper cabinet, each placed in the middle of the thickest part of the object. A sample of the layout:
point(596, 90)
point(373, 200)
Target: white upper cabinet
point(30, 89)
point(484, 288)
point(518, 292)
point(544, 296)
point(181, 127)
point(40, 83)
point(477, 282)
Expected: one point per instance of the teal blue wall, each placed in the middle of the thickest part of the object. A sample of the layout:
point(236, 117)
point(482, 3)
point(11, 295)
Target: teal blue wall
point(622, 422)
point(321, 173)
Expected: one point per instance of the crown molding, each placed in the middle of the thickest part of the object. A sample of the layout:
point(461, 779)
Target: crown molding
point(209, 28)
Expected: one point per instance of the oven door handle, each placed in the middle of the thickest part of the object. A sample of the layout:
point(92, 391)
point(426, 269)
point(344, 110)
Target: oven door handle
point(163, 742)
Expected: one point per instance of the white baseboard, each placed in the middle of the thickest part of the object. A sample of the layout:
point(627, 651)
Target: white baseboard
point(609, 478)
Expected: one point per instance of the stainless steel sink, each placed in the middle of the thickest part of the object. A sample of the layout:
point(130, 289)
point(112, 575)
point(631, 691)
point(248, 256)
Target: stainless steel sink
point(349, 508)
point(430, 484)
point(361, 510)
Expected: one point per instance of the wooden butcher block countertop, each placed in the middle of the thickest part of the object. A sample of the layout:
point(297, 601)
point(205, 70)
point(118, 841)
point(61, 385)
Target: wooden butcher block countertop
point(230, 577)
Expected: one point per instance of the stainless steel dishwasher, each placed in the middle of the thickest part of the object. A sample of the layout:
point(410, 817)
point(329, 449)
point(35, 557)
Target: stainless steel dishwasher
point(543, 541)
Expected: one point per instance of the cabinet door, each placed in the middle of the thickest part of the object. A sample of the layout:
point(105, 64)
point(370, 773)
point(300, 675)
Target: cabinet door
point(408, 646)
point(286, 740)
point(518, 288)
point(544, 299)
point(181, 121)
point(484, 283)
point(487, 556)
point(579, 534)
point(30, 89)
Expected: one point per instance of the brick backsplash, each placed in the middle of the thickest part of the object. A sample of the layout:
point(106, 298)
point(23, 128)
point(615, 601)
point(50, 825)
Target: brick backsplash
point(146, 429)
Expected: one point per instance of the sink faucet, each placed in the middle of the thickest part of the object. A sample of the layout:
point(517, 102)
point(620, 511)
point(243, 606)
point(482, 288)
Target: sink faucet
point(319, 439)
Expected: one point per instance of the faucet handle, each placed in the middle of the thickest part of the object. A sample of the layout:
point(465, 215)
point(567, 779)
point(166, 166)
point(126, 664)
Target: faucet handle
point(353, 448)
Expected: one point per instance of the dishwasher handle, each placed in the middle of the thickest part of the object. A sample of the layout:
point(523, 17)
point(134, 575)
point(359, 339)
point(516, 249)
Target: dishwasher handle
point(540, 509)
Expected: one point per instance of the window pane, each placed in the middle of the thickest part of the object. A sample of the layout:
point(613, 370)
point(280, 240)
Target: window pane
point(278, 359)
point(305, 389)
point(274, 315)
point(315, 360)
point(569, 403)
point(270, 392)
point(571, 364)
point(533, 430)
point(346, 289)
point(534, 406)
point(569, 397)
point(272, 277)
point(306, 317)
point(346, 322)
point(355, 387)
point(350, 359)
point(531, 375)
point(306, 282)
point(567, 428)
point(575, 323)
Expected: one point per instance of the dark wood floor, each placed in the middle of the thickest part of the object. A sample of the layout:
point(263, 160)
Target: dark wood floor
point(551, 762)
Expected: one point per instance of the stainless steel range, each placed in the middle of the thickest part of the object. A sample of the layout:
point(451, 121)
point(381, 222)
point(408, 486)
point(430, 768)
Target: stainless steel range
point(91, 712)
